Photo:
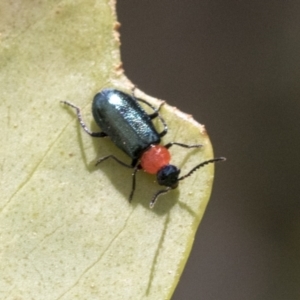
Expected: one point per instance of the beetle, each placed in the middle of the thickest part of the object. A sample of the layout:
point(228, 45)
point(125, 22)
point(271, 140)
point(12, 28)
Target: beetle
point(130, 128)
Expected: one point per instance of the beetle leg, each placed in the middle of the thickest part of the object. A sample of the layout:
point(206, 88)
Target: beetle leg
point(156, 110)
point(113, 157)
point(155, 114)
point(169, 145)
point(165, 130)
point(133, 165)
point(133, 182)
point(83, 125)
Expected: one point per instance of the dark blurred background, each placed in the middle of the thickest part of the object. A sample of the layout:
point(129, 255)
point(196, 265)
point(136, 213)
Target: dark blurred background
point(235, 65)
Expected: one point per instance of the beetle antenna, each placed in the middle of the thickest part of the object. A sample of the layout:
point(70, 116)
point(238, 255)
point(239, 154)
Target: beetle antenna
point(201, 165)
point(157, 194)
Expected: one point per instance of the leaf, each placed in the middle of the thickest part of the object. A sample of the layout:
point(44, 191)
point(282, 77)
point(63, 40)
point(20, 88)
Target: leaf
point(67, 230)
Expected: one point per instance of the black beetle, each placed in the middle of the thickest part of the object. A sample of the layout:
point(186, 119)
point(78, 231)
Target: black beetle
point(121, 118)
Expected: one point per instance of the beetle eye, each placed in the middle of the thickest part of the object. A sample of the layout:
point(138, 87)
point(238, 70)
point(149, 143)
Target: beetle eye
point(168, 176)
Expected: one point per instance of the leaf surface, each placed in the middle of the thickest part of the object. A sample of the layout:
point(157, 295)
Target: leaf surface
point(67, 230)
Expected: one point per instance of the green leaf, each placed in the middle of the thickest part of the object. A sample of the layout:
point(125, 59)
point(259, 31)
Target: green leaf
point(67, 230)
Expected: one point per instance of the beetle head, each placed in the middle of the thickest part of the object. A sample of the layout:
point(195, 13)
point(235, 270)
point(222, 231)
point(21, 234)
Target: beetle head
point(168, 176)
